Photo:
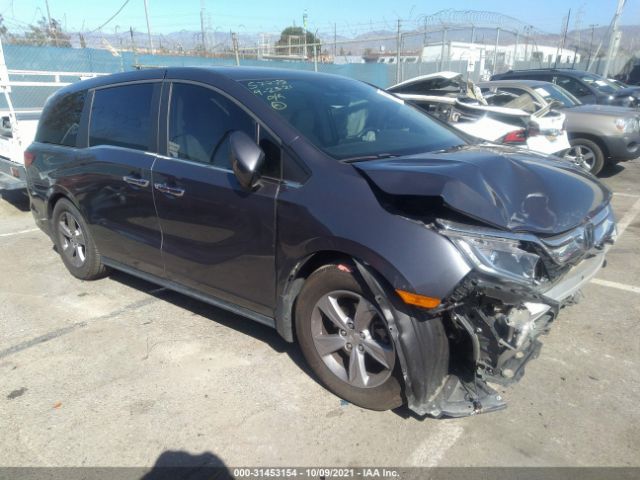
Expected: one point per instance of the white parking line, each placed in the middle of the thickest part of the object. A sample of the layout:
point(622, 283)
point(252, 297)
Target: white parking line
point(619, 286)
point(628, 217)
point(631, 195)
point(430, 451)
point(10, 234)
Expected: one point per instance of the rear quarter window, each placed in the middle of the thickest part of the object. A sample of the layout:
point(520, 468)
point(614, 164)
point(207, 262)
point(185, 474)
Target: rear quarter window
point(60, 120)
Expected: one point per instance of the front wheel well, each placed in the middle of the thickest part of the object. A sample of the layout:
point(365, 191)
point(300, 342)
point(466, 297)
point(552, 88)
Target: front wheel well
point(287, 300)
point(594, 138)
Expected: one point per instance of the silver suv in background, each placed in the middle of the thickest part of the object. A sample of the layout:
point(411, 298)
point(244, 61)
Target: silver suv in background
point(599, 134)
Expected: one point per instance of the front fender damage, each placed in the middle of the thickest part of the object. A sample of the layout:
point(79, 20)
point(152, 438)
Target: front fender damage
point(492, 328)
point(429, 388)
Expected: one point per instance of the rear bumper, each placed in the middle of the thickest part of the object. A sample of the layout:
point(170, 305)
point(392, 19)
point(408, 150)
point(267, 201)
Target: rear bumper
point(12, 175)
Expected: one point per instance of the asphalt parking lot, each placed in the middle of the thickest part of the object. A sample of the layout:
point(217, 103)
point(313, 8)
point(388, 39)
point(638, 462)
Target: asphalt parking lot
point(117, 372)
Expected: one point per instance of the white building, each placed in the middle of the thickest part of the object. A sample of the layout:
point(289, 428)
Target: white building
point(475, 52)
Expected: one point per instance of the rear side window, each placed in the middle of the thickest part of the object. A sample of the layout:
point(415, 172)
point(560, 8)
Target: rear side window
point(121, 116)
point(200, 121)
point(572, 86)
point(61, 119)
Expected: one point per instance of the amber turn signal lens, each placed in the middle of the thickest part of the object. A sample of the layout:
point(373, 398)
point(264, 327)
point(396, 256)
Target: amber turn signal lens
point(418, 300)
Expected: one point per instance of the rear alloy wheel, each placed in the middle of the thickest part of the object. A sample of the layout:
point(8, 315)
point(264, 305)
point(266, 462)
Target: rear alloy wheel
point(74, 242)
point(586, 154)
point(345, 340)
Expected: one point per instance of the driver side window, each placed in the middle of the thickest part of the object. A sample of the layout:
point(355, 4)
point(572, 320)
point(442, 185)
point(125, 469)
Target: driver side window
point(200, 121)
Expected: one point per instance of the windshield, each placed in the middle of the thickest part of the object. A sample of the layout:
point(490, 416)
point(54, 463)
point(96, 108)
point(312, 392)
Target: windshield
point(552, 92)
point(351, 120)
point(601, 84)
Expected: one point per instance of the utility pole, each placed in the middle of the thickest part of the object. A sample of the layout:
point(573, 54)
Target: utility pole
point(442, 47)
point(51, 29)
point(335, 42)
point(304, 29)
point(593, 29)
point(133, 47)
point(398, 48)
point(495, 51)
point(234, 40)
point(614, 38)
point(315, 52)
point(202, 28)
point(564, 38)
point(146, 14)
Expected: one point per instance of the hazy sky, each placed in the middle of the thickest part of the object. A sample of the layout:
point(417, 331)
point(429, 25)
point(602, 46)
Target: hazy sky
point(350, 17)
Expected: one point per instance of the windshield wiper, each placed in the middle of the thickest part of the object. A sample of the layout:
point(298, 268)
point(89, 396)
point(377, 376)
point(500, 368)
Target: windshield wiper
point(369, 157)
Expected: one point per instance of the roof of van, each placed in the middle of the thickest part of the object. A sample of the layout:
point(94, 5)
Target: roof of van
point(232, 73)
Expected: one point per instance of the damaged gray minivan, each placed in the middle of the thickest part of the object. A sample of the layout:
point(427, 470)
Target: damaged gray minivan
point(412, 264)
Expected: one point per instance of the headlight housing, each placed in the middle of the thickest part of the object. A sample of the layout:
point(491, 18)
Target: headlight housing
point(627, 125)
point(503, 257)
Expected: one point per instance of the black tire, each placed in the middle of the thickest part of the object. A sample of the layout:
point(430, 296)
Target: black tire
point(86, 264)
point(385, 396)
point(588, 145)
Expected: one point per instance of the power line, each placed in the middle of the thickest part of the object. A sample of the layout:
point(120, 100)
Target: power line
point(111, 18)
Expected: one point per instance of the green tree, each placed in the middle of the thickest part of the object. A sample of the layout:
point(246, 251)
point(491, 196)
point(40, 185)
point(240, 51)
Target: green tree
point(44, 34)
point(4, 32)
point(297, 36)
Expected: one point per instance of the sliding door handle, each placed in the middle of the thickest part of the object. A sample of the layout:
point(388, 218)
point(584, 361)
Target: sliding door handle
point(173, 191)
point(138, 182)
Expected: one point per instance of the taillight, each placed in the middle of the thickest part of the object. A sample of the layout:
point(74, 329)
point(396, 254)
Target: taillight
point(517, 137)
point(533, 130)
point(28, 159)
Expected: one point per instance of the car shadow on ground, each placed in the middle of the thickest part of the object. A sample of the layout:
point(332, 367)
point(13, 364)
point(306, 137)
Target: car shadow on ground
point(239, 323)
point(17, 198)
point(173, 464)
point(610, 170)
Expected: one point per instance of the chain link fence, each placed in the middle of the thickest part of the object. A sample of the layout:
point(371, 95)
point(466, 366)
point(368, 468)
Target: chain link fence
point(381, 60)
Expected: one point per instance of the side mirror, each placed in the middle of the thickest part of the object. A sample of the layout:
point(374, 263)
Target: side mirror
point(246, 159)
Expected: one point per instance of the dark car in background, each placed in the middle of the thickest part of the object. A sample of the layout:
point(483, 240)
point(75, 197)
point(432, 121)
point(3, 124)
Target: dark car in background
point(585, 86)
point(599, 134)
point(391, 249)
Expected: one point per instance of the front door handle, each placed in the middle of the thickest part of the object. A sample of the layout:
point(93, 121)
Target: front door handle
point(173, 191)
point(138, 182)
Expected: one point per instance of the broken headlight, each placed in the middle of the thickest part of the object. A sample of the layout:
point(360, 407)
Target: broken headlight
point(493, 254)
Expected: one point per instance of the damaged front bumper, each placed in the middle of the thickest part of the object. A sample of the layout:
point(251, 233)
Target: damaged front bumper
point(502, 321)
point(493, 323)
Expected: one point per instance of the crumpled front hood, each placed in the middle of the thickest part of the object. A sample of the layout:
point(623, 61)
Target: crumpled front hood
point(506, 188)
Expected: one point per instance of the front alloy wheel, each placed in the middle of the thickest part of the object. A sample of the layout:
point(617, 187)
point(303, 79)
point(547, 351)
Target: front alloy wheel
point(586, 154)
point(351, 337)
point(345, 339)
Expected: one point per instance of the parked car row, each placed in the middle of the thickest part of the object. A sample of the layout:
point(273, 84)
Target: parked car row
point(521, 108)
point(447, 96)
point(599, 134)
point(587, 87)
point(411, 263)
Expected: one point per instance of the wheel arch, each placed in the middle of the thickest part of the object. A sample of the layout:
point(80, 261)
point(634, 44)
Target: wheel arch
point(55, 196)
point(594, 138)
point(297, 276)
